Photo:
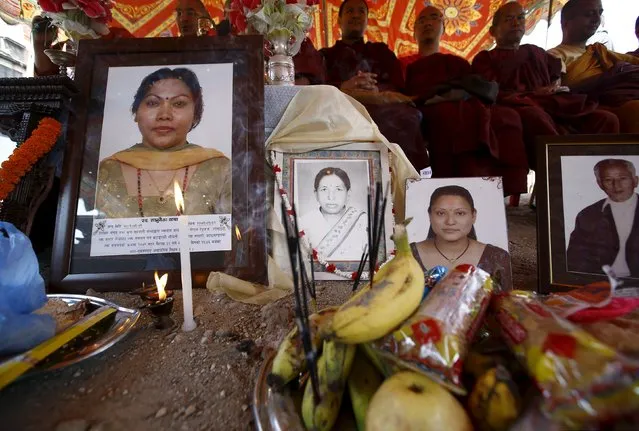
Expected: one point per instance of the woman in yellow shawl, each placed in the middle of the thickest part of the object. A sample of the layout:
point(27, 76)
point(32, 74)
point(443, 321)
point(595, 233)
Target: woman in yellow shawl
point(138, 181)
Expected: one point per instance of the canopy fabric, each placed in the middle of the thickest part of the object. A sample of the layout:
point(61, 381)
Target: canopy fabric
point(390, 21)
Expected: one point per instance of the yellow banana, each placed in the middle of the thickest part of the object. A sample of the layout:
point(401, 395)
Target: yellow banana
point(396, 292)
point(333, 369)
point(290, 360)
point(494, 402)
point(363, 382)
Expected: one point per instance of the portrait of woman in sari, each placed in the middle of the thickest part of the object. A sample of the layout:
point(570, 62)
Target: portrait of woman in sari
point(335, 229)
point(138, 181)
point(452, 240)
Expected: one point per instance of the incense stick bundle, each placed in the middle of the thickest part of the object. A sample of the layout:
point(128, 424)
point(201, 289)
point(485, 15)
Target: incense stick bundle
point(301, 306)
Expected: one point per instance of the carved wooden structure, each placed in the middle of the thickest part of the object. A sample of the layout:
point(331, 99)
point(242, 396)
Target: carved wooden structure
point(23, 103)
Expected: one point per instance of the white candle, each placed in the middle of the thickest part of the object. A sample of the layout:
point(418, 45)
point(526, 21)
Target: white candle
point(185, 261)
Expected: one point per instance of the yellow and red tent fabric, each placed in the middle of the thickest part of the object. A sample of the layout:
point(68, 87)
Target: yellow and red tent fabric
point(390, 21)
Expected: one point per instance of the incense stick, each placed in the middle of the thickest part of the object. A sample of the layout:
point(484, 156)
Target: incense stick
point(301, 306)
point(360, 268)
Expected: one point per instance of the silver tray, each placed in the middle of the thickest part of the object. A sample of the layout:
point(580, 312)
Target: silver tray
point(273, 411)
point(118, 327)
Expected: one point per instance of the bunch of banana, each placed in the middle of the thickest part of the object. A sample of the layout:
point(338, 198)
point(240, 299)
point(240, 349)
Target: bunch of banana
point(494, 402)
point(333, 369)
point(363, 382)
point(396, 292)
point(290, 359)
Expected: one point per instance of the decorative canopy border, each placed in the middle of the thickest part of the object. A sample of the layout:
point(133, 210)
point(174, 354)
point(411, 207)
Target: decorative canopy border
point(391, 21)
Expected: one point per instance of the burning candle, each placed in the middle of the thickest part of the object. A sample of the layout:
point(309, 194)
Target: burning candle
point(185, 261)
point(160, 283)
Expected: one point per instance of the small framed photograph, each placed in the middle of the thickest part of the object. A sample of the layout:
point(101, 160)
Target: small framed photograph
point(156, 119)
point(328, 189)
point(459, 221)
point(587, 212)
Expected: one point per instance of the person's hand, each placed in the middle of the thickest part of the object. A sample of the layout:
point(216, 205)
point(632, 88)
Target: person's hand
point(44, 33)
point(365, 81)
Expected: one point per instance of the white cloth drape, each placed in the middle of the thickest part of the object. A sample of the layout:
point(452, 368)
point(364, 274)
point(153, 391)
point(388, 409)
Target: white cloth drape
point(318, 117)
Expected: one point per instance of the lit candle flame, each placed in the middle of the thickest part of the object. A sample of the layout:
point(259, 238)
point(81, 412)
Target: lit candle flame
point(161, 284)
point(237, 233)
point(179, 199)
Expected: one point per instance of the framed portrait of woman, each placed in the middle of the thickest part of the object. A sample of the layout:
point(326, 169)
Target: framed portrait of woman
point(163, 128)
point(328, 190)
point(459, 221)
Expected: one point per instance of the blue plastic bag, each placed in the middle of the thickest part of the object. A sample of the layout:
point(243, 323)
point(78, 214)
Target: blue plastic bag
point(21, 292)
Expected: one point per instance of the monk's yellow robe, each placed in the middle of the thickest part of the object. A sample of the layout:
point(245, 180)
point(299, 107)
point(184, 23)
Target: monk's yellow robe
point(607, 76)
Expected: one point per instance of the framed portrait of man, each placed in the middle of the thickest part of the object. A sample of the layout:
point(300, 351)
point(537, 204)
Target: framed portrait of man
point(164, 128)
point(588, 216)
point(459, 221)
point(328, 190)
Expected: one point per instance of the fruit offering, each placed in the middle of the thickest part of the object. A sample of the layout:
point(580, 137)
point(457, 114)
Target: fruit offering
point(410, 401)
point(582, 379)
point(436, 338)
point(494, 401)
point(394, 294)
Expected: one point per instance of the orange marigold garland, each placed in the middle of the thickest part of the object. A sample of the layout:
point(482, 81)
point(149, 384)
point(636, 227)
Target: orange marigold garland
point(26, 155)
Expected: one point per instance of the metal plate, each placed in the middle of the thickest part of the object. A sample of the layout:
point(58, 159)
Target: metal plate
point(93, 341)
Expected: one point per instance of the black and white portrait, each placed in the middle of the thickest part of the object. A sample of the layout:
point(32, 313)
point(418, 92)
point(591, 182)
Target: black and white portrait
point(601, 218)
point(331, 199)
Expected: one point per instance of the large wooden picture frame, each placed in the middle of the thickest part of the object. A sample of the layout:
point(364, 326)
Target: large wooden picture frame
point(118, 247)
point(574, 214)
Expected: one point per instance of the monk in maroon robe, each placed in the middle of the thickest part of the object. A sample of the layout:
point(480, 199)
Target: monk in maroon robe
point(490, 141)
point(529, 81)
point(309, 65)
point(372, 70)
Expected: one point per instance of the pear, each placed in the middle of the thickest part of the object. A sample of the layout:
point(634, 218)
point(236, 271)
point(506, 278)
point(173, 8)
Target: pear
point(410, 401)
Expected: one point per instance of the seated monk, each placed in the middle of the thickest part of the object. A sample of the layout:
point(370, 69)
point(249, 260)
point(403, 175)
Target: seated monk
point(610, 78)
point(309, 65)
point(529, 81)
point(490, 143)
point(371, 73)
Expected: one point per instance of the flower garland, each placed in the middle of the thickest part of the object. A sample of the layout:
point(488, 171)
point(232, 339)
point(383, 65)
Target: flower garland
point(306, 245)
point(26, 155)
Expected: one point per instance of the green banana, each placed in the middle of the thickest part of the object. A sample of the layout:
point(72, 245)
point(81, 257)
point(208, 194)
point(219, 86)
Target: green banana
point(395, 294)
point(290, 360)
point(363, 382)
point(333, 369)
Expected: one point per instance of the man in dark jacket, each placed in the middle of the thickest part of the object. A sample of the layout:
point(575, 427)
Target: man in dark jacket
point(607, 232)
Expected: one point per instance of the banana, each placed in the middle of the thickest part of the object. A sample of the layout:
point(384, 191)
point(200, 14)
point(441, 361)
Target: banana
point(290, 360)
point(363, 382)
point(395, 294)
point(494, 402)
point(333, 369)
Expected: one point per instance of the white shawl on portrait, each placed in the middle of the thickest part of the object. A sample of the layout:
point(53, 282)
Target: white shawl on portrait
point(318, 117)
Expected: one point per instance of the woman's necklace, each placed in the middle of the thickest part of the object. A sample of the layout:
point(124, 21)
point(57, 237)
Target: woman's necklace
point(161, 199)
point(161, 192)
point(446, 257)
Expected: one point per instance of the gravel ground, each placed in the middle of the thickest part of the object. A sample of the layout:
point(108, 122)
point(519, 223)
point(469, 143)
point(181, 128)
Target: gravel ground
point(203, 380)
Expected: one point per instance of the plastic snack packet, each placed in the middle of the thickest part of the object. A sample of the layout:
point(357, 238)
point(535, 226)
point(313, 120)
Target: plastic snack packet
point(583, 380)
point(435, 339)
point(432, 277)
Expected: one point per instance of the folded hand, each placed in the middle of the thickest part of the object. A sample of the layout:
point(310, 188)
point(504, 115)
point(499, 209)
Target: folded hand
point(362, 81)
